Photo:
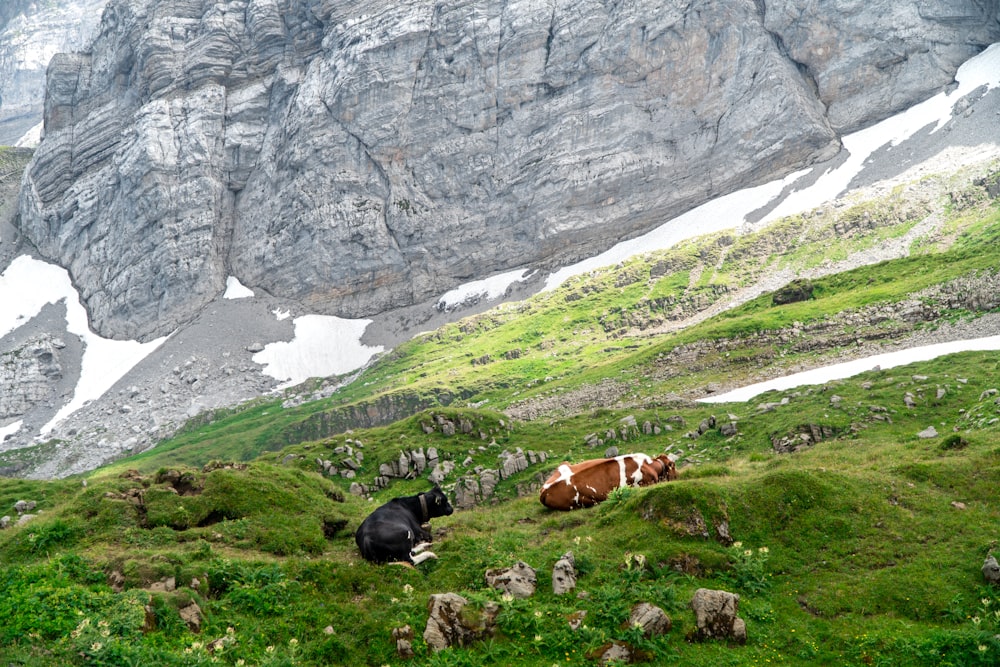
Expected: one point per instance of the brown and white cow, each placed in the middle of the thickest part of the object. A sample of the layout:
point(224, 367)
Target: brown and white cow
point(589, 482)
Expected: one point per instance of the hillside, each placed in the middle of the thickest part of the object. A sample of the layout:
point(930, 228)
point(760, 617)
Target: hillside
point(852, 533)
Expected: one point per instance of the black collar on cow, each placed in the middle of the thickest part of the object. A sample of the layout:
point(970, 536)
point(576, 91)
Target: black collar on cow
point(423, 508)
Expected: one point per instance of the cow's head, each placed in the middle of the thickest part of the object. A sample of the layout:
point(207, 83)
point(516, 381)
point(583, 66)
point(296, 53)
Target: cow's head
point(669, 469)
point(437, 502)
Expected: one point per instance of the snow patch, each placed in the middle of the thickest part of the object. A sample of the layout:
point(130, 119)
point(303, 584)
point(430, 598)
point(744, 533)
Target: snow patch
point(10, 429)
point(852, 368)
point(31, 138)
point(487, 289)
point(726, 212)
point(323, 345)
point(236, 290)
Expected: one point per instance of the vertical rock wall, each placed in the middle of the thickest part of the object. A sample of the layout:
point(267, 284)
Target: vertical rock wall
point(360, 156)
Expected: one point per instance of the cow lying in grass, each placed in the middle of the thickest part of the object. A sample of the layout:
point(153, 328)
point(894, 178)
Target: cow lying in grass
point(589, 482)
point(394, 532)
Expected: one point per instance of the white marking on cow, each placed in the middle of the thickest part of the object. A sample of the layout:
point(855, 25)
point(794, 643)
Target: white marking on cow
point(565, 475)
point(420, 547)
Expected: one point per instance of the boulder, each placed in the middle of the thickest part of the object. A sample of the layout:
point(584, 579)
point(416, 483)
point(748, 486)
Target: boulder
point(564, 574)
point(450, 623)
point(520, 580)
point(716, 616)
point(404, 641)
point(653, 620)
point(192, 616)
point(991, 570)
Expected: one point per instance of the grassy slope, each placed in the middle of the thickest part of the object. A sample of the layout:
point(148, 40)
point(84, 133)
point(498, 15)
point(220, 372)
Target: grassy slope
point(874, 538)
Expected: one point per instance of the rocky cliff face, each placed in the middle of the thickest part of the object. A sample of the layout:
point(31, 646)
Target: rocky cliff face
point(359, 156)
point(30, 34)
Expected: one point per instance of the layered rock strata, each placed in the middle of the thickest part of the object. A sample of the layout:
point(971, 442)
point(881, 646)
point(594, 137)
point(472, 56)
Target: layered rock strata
point(358, 157)
point(31, 33)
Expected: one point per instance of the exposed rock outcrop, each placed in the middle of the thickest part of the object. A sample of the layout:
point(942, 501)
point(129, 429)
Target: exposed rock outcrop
point(30, 34)
point(358, 158)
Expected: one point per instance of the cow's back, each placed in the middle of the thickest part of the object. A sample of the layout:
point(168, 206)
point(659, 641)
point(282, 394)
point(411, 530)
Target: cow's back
point(590, 482)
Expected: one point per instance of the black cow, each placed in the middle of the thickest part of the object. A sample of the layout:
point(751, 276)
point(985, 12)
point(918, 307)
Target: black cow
point(393, 532)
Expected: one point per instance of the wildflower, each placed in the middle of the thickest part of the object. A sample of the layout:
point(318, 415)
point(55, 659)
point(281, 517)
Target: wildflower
point(640, 560)
point(507, 597)
point(538, 638)
point(240, 662)
point(196, 645)
point(576, 540)
point(986, 602)
point(293, 642)
point(270, 649)
point(982, 648)
point(230, 630)
point(407, 588)
point(976, 620)
point(96, 646)
point(105, 632)
point(748, 552)
point(538, 614)
point(102, 624)
point(394, 600)
point(737, 545)
point(763, 550)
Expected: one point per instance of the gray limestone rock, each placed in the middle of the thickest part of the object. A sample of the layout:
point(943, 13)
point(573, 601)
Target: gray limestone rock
point(653, 620)
point(991, 570)
point(564, 574)
point(716, 615)
point(359, 158)
point(449, 623)
point(519, 581)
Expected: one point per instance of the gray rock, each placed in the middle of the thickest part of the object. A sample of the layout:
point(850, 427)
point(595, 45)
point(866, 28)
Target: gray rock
point(653, 620)
point(991, 570)
point(404, 641)
point(520, 580)
point(29, 375)
point(929, 432)
point(564, 574)
point(614, 653)
point(22, 506)
point(449, 624)
point(716, 615)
